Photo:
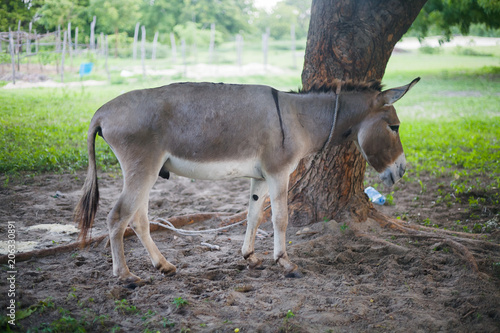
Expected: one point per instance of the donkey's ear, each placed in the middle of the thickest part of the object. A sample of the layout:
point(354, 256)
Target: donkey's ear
point(390, 96)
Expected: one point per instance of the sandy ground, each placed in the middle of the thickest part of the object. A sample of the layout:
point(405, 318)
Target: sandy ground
point(390, 282)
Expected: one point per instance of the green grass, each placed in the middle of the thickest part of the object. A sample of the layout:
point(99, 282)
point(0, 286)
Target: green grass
point(450, 126)
point(44, 129)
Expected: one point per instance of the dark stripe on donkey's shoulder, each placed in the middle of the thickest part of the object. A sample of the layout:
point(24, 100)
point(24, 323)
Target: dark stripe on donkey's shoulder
point(274, 92)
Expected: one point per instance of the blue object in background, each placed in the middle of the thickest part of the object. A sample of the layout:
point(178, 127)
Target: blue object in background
point(86, 68)
point(375, 196)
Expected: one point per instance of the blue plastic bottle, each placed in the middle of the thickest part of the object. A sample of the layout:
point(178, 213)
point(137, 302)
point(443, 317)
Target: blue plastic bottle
point(375, 196)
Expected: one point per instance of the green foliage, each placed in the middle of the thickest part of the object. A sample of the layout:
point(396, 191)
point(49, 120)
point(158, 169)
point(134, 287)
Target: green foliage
point(389, 199)
point(179, 302)
point(192, 34)
point(54, 13)
point(66, 323)
point(165, 16)
point(148, 315)
point(12, 11)
point(429, 49)
point(167, 323)
point(440, 16)
point(124, 307)
point(285, 13)
point(45, 304)
point(467, 51)
point(115, 15)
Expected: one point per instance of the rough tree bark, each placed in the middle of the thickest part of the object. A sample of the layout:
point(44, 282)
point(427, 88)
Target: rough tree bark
point(347, 40)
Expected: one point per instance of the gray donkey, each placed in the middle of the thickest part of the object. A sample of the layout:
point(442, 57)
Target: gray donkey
point(220, 131)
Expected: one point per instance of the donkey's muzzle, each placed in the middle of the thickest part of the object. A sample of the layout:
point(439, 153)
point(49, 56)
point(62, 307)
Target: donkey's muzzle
point(394, 172)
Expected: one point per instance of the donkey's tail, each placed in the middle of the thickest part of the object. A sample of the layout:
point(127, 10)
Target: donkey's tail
point(87, 206)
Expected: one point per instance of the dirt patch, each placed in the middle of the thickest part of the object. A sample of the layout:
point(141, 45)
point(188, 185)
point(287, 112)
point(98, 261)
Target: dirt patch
point(350, 284)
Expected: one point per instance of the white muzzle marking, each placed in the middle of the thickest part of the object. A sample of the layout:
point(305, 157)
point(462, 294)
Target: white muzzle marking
point(393, 173)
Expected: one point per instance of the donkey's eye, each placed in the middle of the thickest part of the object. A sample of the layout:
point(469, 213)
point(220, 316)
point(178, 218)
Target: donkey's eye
point(394, 128)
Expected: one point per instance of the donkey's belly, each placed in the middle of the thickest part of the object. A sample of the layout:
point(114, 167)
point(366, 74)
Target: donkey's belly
point(213, 170)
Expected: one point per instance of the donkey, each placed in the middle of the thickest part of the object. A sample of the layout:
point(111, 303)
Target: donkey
point(220, 131)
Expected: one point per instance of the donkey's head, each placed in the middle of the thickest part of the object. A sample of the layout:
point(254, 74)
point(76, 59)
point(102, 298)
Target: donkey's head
point(378, 136)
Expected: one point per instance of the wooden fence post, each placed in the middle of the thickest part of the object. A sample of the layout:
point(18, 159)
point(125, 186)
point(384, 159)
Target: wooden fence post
point(239, 48)
point(136, 36)
point(184, 60)
point(155, 42)
point(143, 51)
point(58, 47)
point(76, 39)
point(294, 55)
point(211, 47)
point(36, 42)
point(65, 39)
point(106, 52)
point(265, 45)
point(19, 46)
point(174, 47)
point(28, 48)
point(92, 35)
point(70, 49)
point(36, 50)
point(101, 44)
point(12, 57)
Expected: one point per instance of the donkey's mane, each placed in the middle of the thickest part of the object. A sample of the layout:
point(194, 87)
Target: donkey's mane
point(346, 86)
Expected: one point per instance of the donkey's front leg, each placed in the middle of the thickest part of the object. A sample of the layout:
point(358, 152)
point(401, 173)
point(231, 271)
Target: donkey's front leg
point(258, 191)
point(278, 190)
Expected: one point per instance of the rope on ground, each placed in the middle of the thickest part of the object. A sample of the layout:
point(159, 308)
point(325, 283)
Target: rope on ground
point(167, 225)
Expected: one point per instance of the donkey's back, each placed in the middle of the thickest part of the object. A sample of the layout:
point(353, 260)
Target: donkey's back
point(198, 121)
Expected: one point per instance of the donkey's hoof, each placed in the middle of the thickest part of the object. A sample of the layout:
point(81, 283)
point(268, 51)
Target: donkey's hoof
point(129, 279)
point(291, 270)
point(166, 269)
point(295, 274)
point(254, 263)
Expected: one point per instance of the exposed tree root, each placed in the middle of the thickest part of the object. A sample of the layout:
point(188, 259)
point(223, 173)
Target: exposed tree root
point(443, 237)
point(177, 221)
point(396, 248)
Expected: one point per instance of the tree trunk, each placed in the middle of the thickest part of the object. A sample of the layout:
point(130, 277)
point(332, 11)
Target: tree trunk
point(347, 40)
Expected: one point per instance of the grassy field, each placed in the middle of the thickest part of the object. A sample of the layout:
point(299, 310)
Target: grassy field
point(450, 121)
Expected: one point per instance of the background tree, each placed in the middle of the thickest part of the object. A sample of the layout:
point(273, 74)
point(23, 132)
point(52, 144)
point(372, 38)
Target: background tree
point(161, 15)
point(193, 17)
point(54, 13)
point(14, 10)
point(114, 16)
point(347, 40)
point(443, 15)
point(284, 14)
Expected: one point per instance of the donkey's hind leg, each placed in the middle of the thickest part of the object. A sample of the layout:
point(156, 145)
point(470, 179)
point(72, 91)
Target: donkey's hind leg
point(132, 208)
point(258, 191)
point(118, 219)
point(140, 224)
